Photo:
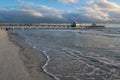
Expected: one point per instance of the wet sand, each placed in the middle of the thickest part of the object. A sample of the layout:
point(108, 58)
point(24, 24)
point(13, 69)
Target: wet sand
point(11, 66)
point(20, 62)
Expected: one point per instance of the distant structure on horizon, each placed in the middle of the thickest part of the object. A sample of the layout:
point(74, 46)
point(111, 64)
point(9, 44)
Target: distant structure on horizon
point(94, 25)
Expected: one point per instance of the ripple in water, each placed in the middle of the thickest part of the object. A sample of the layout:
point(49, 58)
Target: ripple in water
point(78, 56)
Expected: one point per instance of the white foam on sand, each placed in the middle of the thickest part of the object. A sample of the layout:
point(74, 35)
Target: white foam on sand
point(46, 63)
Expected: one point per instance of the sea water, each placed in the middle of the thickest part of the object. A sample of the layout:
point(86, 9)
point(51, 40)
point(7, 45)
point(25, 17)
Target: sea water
point(84, 54)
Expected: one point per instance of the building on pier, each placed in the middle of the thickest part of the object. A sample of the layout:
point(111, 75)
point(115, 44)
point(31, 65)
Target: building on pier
point(94, 25)
point(76, 25)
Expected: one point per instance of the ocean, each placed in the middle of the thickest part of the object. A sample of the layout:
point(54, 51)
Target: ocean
point(81, 54)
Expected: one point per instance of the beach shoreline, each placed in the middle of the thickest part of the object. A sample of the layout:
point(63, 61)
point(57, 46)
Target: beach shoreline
point(11, 66)
point(43, 60)
point(32, 59)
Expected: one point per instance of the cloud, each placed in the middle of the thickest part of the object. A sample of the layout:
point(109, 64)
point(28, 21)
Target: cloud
point(69, 1)
point(110, 8)
point(95, 13)
point(30, 13)
point(90, 1)
point(101, 10)
point(24, 16)
point(41, 9)
point(105, 4)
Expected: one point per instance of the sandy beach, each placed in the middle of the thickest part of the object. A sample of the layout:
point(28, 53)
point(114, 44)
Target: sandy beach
point(19, 62)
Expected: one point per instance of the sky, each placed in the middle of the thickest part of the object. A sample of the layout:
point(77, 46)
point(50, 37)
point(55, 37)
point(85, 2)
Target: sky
point(59, 11)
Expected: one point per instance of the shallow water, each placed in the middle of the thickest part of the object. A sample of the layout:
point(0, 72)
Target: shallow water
point(87, 54)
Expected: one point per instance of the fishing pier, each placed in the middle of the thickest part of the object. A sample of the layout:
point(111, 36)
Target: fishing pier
point(49, 26)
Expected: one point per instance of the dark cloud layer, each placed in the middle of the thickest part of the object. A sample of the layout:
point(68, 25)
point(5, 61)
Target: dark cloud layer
point(20, 16)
